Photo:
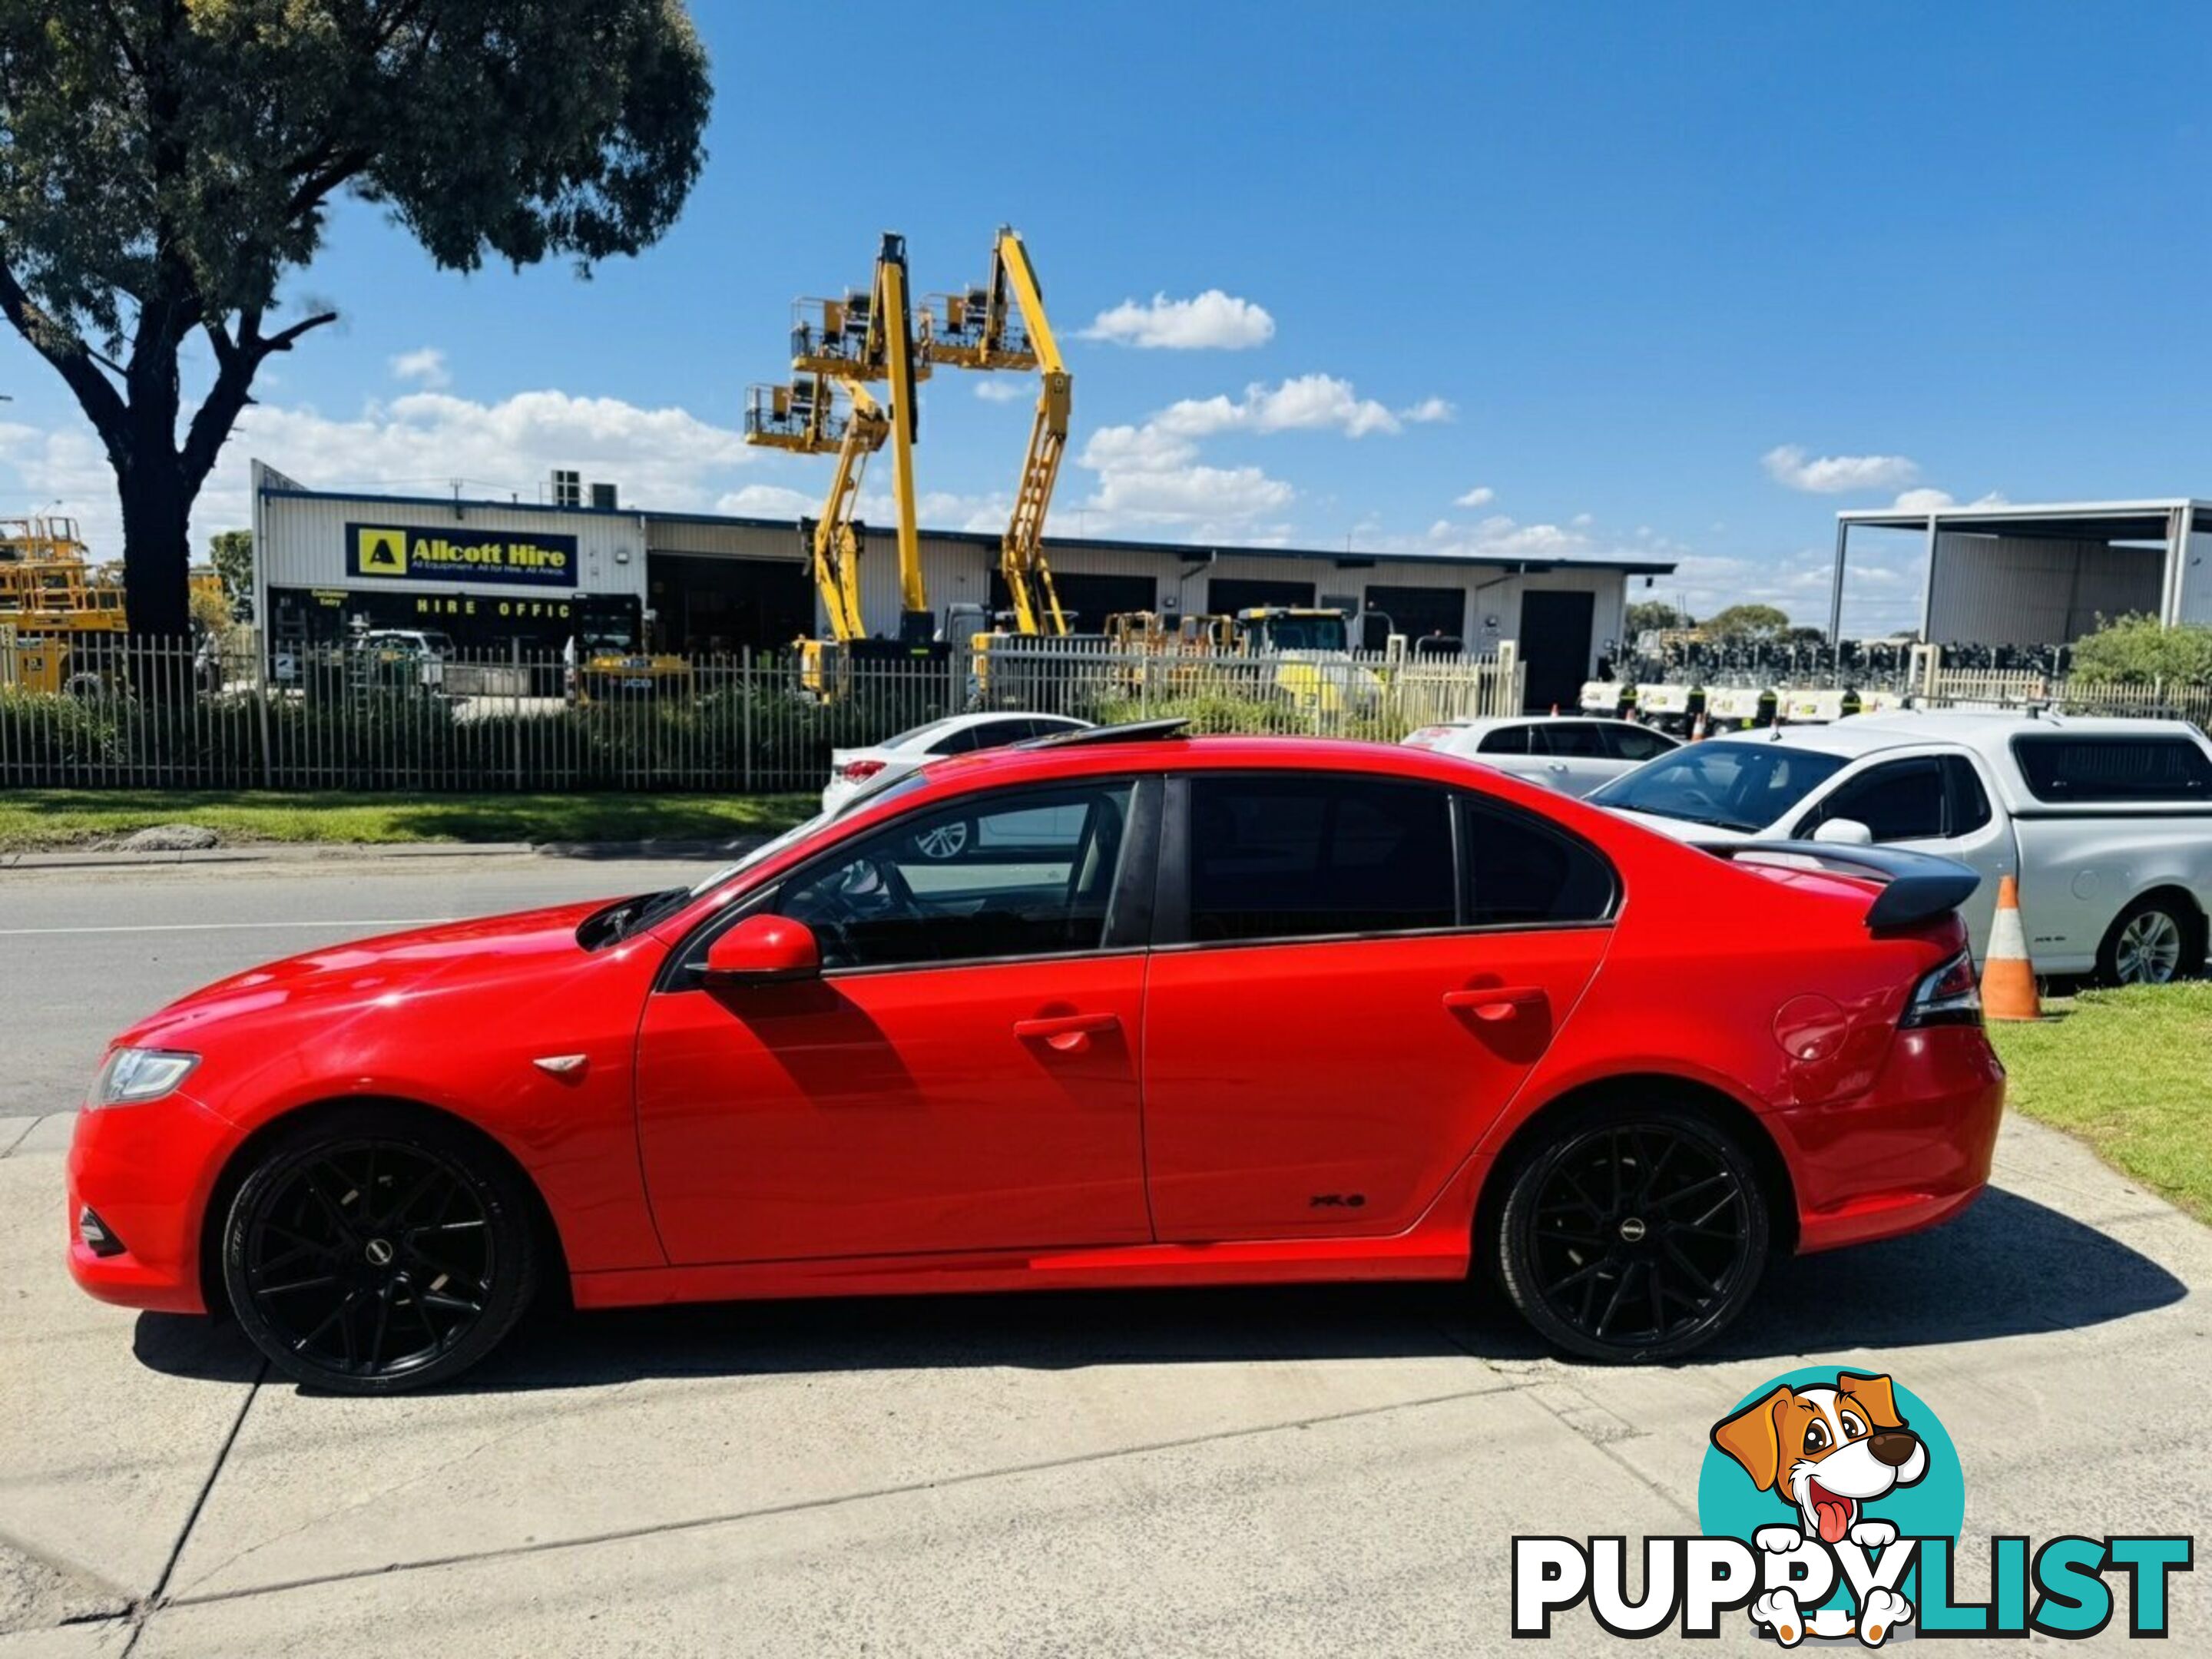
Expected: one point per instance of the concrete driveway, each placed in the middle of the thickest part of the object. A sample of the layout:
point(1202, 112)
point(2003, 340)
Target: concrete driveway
point(1287, 1472)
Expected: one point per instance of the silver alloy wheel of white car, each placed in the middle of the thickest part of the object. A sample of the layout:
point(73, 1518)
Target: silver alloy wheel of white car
point(946, 841)
point(2149, 950)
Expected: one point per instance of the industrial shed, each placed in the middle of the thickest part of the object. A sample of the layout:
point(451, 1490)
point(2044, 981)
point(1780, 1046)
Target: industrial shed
point(490, 572)
point(2042, 575)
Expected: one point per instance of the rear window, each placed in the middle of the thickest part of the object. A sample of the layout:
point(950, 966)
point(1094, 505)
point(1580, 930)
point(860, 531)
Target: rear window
point(1506, 740)
point(2071, 769)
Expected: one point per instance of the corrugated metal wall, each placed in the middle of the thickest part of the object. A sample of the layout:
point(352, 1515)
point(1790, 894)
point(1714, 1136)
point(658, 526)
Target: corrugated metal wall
point(2195, 605)
point(2034, 590)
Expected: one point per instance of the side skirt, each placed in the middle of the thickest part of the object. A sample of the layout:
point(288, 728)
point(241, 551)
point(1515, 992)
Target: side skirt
point(1421, 1254)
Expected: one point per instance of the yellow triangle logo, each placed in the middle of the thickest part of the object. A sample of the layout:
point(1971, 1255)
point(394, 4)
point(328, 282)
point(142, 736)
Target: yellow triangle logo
point(383, 552)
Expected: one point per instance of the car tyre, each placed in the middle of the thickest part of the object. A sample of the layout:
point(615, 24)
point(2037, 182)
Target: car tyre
point(1631, 1232)
point(372, 1250)
point(2154, 941)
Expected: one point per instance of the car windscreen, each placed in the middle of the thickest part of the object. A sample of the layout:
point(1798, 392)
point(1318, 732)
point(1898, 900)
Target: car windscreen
point(1730, 786)
point(1306, 633)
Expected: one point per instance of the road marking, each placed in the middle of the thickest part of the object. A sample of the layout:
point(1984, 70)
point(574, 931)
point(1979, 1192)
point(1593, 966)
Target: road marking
point(218, 927)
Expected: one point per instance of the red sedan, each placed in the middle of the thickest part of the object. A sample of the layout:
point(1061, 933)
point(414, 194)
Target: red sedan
point(1170, 1011)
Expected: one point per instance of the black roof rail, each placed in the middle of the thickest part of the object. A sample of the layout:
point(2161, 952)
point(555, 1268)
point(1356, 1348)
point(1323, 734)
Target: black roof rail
point(1130, 732)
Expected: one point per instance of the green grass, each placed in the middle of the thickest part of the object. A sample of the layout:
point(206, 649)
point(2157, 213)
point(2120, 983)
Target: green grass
point(2130, 1072)
point(48, 818)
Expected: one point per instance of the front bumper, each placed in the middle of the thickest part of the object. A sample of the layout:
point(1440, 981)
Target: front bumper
point(1912, 1151)
point(148, 1171)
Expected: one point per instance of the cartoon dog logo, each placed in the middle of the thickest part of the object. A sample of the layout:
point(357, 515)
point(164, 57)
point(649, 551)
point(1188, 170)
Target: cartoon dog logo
point(1827, 1452)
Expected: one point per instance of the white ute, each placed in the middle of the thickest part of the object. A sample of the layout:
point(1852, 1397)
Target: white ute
point(2106, 822)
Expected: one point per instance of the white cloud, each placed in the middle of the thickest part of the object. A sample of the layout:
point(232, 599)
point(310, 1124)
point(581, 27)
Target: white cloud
point(1428, 412)
point(1481, 495)
point(1213, 321)
point(1582, 521)
point(1149, 477)
point(1935, 500)
point(1305, 402)
point(417, 444)
point(425, 366)
point(1789, 464)
point(992, 390)
point(762, 501)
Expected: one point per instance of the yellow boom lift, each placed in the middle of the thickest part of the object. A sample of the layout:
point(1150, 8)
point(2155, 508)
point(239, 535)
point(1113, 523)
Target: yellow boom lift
point(865, 337)
point(1002, 325)
point(808, 418)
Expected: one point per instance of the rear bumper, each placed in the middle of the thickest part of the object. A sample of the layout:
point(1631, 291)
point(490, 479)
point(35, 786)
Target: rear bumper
point(1912, 1151)
point(147, 1172)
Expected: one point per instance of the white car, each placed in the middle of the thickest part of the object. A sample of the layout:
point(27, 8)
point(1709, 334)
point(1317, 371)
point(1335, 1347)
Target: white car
point(1569, 754)
point(958, 734)
point(2106, 823)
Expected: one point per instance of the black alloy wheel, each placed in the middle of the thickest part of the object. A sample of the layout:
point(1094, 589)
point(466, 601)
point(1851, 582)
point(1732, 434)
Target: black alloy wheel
point(1632, 1233)
point(369, 1259)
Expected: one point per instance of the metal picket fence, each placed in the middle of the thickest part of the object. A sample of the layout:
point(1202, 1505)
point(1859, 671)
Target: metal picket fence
point(116, 712)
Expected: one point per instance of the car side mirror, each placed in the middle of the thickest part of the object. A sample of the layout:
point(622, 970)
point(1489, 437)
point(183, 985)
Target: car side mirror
point(764, 950)
point(1847, 832)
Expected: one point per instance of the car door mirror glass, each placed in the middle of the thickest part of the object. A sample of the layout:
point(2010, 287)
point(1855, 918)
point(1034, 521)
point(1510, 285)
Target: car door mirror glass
point(763, 950)
point(1846, 832)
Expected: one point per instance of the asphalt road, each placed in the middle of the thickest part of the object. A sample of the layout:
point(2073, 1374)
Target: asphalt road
point(1280, 1473)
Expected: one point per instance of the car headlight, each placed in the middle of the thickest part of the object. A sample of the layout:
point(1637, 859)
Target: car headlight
point(128, 1076)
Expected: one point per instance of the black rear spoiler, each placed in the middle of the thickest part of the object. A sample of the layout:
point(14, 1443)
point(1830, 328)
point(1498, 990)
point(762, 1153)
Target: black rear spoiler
point(1915, 886)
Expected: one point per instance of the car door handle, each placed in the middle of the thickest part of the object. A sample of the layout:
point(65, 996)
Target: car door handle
point(1496, 1002)
point(1557, 766)
point(1070, 1034)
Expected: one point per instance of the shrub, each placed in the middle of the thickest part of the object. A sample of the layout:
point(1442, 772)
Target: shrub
point(2138, 651)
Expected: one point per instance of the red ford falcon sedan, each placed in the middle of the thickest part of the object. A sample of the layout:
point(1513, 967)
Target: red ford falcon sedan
point(1124, 1008)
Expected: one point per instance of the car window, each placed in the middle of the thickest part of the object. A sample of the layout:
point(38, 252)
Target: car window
point(1274, 858)
point(1506, 740)
point(1634, 743)
point(1522, 871)
point(2071, 768)
point(1966, 803)
point(1015, 873)
point(1570, 740)
point(915, 736)
point(1897, 800)
point(960, 741)
point(1729, 785)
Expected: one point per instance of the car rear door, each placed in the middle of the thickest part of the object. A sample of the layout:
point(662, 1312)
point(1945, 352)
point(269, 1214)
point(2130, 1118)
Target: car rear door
point(1579, 759)
point(963, 1076)
point(1353, 975)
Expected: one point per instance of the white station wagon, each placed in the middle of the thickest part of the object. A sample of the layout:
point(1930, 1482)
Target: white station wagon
point(2106, 822)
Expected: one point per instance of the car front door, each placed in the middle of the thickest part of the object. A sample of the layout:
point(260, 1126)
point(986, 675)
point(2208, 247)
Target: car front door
point(1354, 975)
point(1935, 803)
point(963, 1075)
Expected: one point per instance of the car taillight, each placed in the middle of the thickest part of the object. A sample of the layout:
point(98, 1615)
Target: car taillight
point(1949, 996)
point(859, 771)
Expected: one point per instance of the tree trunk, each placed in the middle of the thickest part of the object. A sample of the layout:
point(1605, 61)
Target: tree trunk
point(157, 510)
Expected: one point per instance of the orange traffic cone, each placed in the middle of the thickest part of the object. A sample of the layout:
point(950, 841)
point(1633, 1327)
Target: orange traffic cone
point(1698, 732)
point(2008, 976)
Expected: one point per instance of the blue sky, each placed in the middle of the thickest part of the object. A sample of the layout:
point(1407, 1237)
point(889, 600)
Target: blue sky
point(1675, 282)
